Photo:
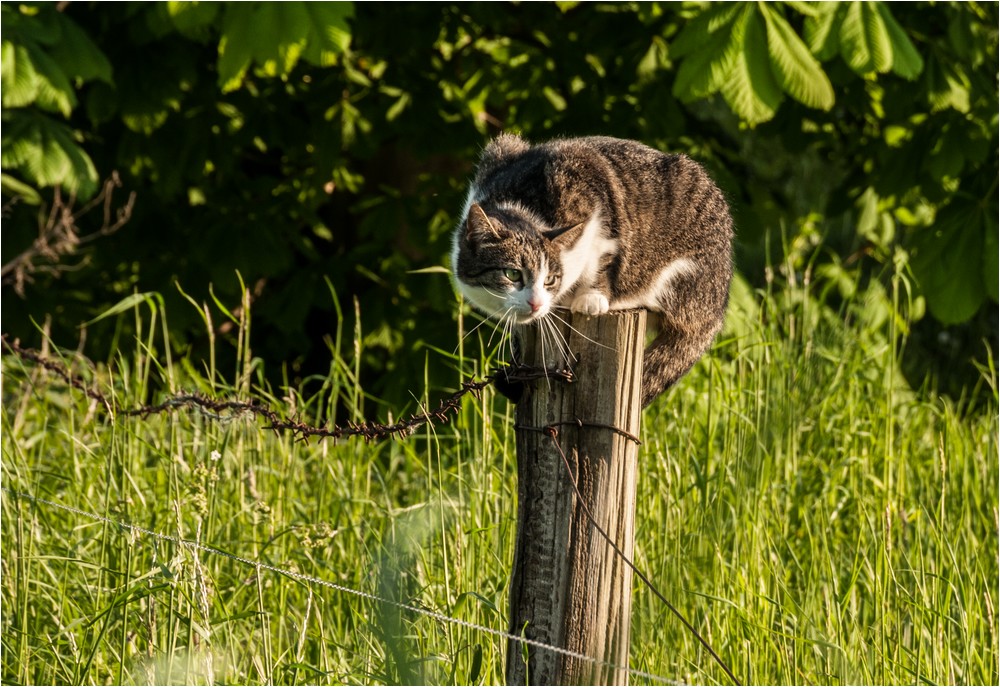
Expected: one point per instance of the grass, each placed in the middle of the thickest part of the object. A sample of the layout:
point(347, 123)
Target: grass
point(815, 518)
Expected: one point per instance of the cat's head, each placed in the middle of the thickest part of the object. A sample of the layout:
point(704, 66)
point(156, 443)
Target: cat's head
point(507, 263)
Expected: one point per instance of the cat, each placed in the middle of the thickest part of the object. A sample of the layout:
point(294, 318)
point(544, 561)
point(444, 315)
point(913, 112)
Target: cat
point(598, 224)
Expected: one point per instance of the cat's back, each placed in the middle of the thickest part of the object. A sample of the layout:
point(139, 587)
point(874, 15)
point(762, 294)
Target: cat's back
point(588, 161)
point(565, 180)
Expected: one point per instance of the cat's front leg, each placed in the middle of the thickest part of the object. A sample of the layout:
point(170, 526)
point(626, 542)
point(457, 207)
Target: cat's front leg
point(590, 303)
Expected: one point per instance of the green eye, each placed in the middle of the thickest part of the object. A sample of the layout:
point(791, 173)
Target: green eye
point(513, 275)
point(550, 280)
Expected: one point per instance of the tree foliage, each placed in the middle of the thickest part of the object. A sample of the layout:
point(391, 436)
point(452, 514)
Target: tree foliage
point(320, 150)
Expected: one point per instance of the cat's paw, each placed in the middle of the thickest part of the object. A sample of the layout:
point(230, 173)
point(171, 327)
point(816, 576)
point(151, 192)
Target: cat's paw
point(591, 303)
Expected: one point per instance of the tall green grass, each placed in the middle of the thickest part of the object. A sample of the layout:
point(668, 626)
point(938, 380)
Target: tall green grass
point(816, 519)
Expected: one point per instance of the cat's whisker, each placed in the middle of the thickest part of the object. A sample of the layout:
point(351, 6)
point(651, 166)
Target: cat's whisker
point(500, 321)
point(545, 327)
point(495, 318)
point(567, 355)
point(561, 344)
point(577, 332)
point(511, 333)
point(484, 320)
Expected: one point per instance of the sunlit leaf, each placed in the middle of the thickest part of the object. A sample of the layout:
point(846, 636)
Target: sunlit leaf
point(699, 31)
point(877, 36)
point(193, 18)
point(235, 53)
point(16, 187)
point(906, 61)
point(798, 73)
point(822, 31)
point(947, 86)
point(274, 36)
point(43, 152)
point(864, 39)
point(705, 70)
point(125, 305)
point(330, 32)
point(19, 80)
point(751, 89)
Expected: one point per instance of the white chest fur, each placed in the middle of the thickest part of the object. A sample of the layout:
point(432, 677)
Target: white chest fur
point(581, 262)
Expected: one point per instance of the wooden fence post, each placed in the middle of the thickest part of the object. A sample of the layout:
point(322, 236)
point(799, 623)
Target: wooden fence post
point(569, 588)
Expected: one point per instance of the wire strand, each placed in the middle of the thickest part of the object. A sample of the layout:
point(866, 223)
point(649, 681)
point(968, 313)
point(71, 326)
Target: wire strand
point(302, 577)
point(551, 432)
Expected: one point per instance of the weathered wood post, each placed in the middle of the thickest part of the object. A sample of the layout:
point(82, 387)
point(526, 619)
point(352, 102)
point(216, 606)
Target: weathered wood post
point(569, 588)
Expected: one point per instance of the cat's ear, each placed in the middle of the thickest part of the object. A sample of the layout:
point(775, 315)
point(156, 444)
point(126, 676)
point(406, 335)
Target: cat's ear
point(566, 236)
point(478, 226)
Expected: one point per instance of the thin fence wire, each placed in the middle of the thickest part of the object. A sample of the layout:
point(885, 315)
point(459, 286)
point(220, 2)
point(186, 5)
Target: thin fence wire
point(310, 579)
point(225, 409)
point(508, 377)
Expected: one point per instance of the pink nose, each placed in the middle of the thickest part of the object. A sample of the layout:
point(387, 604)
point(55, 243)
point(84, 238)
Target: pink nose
point(534, 305)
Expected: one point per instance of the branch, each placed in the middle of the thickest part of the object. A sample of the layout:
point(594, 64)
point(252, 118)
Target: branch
point(60, 237)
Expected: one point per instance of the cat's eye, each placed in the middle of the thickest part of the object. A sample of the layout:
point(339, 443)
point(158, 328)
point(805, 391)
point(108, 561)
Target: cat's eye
point(513, 275)
point(551, 280)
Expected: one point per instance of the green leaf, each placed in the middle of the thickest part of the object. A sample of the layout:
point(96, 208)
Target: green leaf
point(751, 89)
point(19, 189)
point(192, 18)
point(906, 61)
point(18, 78)
point(555, 98)
point(55, 93)
point(948, 261)
point(124, 305)
point(991, 253)
point(706, 68)
point(330, 33)
point(806, 8)
point(822, 31)
point(437, 269)
point(44, 152)
point(235, 47)
point(77, 55)
point(274, 36)
point(31, 77)
point(864, 39)
point(477, 664)
point(712, 23)
point(654, 59)
point(946, 157)
point(947, 86)
point(867, 205)
point(41, 58)
point(798, 73)
point(877, 35)
point(397, 107)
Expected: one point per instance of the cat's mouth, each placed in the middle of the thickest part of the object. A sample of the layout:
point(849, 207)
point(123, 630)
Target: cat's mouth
point(529, 318)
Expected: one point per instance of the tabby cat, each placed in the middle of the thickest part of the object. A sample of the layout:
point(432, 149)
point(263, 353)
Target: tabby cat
point(597, 224)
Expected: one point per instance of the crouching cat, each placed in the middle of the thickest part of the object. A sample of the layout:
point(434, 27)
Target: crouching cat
point(598, 224)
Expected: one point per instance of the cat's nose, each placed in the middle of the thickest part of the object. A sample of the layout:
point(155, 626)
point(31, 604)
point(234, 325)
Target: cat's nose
point(534, 305)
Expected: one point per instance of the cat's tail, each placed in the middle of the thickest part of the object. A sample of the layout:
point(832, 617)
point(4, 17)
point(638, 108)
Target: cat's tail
point(693, 313)
point(672, 353)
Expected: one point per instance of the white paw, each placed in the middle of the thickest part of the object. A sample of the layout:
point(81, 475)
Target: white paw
point(590, 303)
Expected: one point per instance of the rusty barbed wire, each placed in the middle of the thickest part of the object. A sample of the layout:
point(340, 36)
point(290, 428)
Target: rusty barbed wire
point(368, 430)
point(505, 378)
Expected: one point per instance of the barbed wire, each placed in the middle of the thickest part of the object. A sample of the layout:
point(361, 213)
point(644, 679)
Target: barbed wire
point(506, 378)
point(368, 430)
point(311, 579)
